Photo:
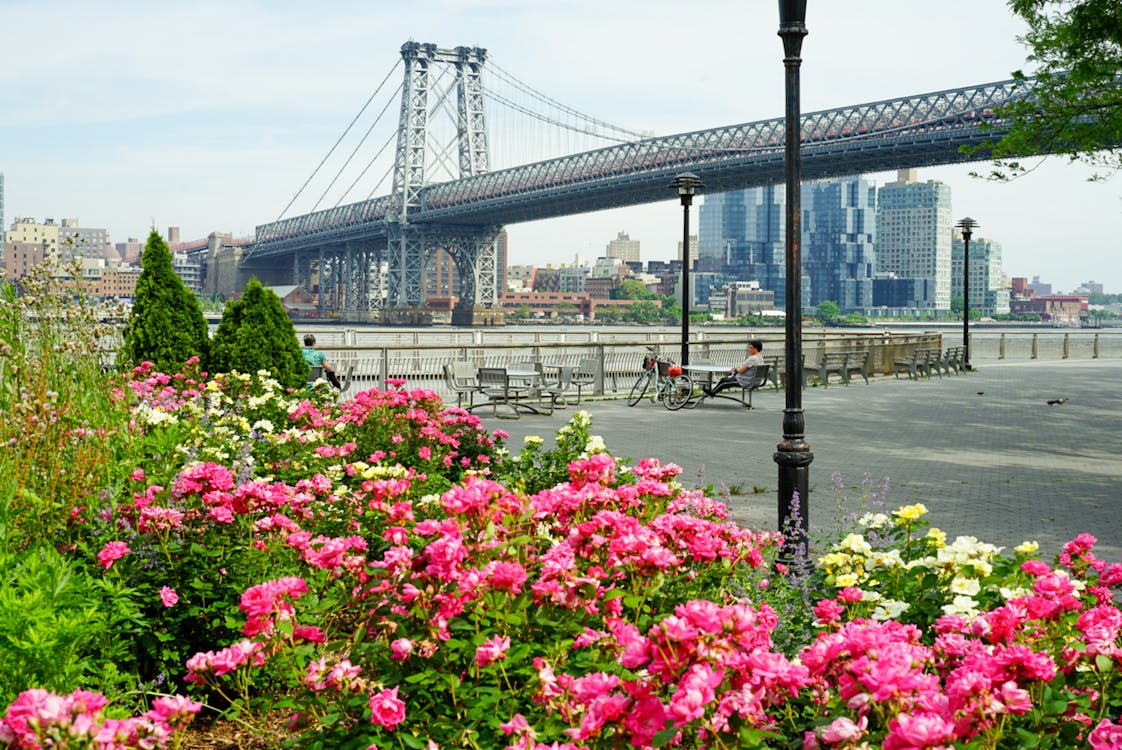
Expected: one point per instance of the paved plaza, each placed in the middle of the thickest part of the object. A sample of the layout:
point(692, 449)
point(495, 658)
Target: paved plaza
point(984, 451)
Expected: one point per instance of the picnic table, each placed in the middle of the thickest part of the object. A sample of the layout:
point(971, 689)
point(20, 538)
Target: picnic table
point(522, 386)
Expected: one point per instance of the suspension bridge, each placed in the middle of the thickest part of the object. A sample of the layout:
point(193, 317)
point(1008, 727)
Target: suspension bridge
point(367, 259)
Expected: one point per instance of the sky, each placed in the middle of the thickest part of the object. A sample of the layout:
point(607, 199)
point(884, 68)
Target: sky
point(211, 115)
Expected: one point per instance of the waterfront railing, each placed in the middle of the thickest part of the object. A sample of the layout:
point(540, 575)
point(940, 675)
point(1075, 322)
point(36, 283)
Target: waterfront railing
point(619, 357)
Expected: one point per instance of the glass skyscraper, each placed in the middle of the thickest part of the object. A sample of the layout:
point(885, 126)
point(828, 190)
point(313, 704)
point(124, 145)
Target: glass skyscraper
point(741, 234)
point(839, 235)
point(987, 280)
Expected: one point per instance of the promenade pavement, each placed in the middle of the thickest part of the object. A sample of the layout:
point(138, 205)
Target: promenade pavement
point(984, 451)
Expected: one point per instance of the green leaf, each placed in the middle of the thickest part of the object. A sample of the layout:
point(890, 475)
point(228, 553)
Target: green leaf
point(1104, 663)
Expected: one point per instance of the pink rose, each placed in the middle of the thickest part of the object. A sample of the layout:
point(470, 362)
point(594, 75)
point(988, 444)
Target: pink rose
point(112, 552)
point(1106, 735)
point(386, 709)
point(492, 650)
point(401, 648)
point(843, 729)
point(168, 596)
point(174, 711)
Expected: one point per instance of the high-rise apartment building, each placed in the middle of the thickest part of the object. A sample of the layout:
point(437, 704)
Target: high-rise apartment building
point(623, 247)
point(988, 291)
point(693, 250)
point(720, 222)
point(839, 232)
point(913, 236)
point(743, 232)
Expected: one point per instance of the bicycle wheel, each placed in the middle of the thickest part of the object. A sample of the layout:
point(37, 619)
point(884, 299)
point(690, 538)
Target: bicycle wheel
point(640, 388)
point(678, 393)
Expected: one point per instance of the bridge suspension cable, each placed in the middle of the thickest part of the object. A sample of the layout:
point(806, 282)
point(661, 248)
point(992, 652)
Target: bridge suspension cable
point(340, 140)
point(354, 151)
point(526, 88)
point(497, 97)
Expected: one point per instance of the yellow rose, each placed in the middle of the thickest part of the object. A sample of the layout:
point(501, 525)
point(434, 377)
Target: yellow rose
point(909, 513)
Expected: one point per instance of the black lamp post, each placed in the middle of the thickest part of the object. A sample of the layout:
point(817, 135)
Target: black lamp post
point(967, 226)
point(687, 184)
point(793, 454)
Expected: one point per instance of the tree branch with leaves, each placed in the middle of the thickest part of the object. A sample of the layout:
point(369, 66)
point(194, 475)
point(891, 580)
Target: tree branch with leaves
point(1075, 107)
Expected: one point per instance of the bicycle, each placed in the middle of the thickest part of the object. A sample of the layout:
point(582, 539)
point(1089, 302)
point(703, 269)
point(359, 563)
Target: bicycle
point(664, 379)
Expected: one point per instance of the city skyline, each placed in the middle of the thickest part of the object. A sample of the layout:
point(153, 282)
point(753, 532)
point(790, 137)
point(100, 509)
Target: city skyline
point(210, 118)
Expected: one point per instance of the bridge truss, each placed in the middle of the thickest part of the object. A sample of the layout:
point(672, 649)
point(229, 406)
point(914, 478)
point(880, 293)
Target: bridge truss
point(395, 237)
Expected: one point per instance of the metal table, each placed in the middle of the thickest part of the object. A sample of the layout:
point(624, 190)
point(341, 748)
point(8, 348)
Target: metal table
point(533, 382)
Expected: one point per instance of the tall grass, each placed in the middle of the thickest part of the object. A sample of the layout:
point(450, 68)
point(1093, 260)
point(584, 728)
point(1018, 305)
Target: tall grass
point(62, 436)
point(56, 412)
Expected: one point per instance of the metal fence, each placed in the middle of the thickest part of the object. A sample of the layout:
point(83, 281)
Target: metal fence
point(418, 357)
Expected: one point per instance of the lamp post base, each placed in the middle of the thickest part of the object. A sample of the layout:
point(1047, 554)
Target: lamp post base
point(794, 458)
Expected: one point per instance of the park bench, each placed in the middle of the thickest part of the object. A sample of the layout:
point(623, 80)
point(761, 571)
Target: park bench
point(930, 365)
point(777, 371)
point(857, 363)
point(942, 362)
point(917, 364)
point(759, 380)
point(955, 357)
point(831, 363)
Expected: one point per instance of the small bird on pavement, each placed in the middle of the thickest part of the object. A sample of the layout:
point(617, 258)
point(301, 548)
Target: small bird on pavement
point(981, 393)
point(1054, 401)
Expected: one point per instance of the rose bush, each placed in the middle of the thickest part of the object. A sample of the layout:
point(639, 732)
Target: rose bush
point(387, 574)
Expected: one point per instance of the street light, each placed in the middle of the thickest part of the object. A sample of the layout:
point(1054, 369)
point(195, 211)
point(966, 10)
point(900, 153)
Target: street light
point(793, 454)
point(967, 226)
point(687, 184)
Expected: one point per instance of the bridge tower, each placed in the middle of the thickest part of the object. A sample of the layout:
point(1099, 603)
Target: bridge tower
point(410, 245)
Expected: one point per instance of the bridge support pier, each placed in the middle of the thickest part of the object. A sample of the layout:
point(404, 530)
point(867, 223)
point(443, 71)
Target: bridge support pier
point(406, 315)
point(478, 317)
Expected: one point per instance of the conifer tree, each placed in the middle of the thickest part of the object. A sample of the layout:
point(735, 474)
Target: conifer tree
point(166, 326)
point(256, 334)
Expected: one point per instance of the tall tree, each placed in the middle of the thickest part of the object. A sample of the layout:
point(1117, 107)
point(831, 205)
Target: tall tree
point(1076, 108)
point(166, 326)
point(634, 289)
point(256, 334)
point(828, 312)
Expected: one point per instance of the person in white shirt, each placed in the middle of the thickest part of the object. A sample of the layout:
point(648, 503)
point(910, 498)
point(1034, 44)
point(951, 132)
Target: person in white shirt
point(743, 374)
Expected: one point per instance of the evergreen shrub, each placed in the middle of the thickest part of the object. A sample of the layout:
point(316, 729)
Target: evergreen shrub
point(167, 326)
point(256, 334)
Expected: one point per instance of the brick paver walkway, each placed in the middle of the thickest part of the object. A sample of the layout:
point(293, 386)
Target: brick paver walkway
point(984, 451)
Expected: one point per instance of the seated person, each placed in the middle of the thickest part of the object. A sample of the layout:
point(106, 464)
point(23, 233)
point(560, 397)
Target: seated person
point(743, 374)
point(315, 358)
